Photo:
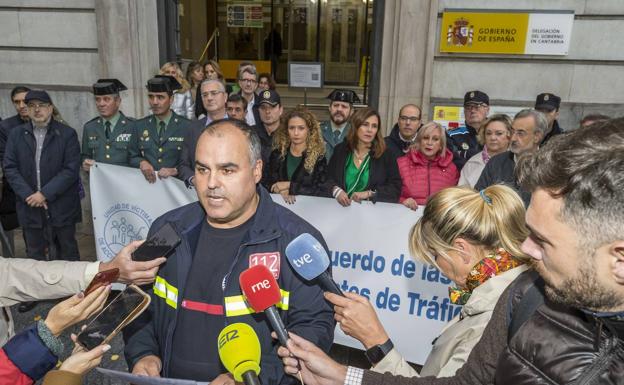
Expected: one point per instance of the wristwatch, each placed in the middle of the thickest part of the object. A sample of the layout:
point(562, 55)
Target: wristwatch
point(378, 352)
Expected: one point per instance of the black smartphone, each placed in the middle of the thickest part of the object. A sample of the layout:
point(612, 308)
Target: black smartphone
point(160, 244)
point(122, 310)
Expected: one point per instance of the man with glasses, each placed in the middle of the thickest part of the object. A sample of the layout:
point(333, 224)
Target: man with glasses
point(8, 214)
point(336, 128)
point(403, 133)
point(156, 146)
point(42, 164)
point(106, 138)
point(462, 141)
point(248, 82)
point(528, 128)
point(213, 98)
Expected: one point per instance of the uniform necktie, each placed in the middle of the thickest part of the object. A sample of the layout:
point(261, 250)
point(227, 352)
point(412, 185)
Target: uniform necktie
point(336, 136)
point(161, 129)
point(107, 129)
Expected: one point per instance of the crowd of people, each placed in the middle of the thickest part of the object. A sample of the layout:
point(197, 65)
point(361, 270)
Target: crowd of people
point(523, 283)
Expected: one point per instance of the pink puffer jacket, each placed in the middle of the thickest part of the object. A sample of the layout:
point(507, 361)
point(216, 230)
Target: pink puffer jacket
point(423, 177)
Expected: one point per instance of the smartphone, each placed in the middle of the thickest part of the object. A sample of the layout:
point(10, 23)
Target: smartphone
point(122, 310)
point(102, 278)
point(160, 244)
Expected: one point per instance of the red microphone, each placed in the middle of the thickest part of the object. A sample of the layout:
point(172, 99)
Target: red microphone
point(262, 294)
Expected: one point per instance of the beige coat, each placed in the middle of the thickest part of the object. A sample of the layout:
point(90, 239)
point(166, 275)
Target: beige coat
point(457, 339)
point(27, 280)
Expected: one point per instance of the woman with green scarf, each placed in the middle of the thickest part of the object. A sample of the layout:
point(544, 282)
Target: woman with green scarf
point(361, 168)
point(474, 238)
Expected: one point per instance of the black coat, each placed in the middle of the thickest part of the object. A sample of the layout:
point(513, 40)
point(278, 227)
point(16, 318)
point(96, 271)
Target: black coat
point(302, 182)
point(60, 168)
point(500, 170)
point(186, 167)
point(383, 176)
point(8, 213)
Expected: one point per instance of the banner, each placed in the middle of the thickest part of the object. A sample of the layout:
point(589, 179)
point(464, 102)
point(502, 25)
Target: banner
point(525, 33)
point(368, 244)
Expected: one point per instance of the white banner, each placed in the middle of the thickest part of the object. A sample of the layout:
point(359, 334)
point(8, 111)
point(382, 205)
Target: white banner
point(368, 244)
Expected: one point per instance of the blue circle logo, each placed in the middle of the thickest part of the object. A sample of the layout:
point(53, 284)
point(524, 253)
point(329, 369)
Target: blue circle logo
point(124, 223)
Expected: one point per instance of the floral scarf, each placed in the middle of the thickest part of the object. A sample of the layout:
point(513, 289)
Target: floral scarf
point(488, 267)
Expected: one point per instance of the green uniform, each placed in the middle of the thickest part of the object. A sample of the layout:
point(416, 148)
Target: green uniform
point(114, 149)
point(160, 151)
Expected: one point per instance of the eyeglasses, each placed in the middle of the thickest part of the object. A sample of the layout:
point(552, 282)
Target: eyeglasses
point(474, 107)
point(412, 119)
point(36, 106)
point(210, 93)
point(252, 81)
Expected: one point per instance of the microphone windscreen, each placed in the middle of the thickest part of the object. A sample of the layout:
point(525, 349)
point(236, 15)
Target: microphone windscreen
point(239, 350)
point(307, 256)
point(259, 288)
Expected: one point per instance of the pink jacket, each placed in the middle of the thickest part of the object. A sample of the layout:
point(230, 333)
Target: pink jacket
point(422, 177)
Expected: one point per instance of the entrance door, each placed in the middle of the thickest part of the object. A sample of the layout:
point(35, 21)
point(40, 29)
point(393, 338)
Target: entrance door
point(344, 23)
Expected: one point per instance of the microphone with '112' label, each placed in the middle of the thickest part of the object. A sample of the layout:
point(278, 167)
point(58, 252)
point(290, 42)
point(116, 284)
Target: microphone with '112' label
point(239, 350)
point(310, 260)
point(262, 294)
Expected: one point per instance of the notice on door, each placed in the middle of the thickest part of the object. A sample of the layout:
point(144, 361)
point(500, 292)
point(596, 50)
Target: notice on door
point(244, 15)
point(305, 75)
point(524, 33)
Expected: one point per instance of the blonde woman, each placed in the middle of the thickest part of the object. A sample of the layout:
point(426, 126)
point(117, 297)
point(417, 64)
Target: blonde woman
point(297, 164)
point(495, 134)
point(474, 238)
point(182, 100)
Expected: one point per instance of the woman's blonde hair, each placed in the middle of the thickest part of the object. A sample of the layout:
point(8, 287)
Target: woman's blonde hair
point(506, 120)
point(179, 75)
point(315, 146)
point(425, 129)
point(492, 219)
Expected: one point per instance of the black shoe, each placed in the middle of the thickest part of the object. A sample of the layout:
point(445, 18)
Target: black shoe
point(26, 306)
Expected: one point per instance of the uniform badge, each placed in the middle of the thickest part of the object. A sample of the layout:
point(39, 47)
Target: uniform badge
point(465, 146)
point(145, 133)
point(266, 94)
point(546, 97)
point(271, 260)
point(472, 95)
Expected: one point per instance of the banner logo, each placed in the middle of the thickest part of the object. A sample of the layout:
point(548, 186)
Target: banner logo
point(124, 223)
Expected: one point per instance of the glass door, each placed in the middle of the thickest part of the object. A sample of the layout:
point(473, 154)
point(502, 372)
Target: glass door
point(344, 24)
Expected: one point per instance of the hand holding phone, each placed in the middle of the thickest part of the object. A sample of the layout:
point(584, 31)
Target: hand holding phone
point(161, 244)
point(103, 278)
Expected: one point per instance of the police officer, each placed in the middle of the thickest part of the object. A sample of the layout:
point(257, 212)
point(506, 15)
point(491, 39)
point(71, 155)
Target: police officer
point(106, 138)
point(270, 107)
point(462, 141)
point(340, 110)
point(549, 104)
point(156, 145)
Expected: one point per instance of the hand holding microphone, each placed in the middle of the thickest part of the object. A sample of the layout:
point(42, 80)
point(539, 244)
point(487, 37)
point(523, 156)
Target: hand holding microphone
point(310, 260)
point(262, 294)
point(239, 350)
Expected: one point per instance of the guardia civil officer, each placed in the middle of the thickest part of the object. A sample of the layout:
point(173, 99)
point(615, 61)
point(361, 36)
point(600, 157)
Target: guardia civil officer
point(340, 110)
point(156, 145)
point(105, 138)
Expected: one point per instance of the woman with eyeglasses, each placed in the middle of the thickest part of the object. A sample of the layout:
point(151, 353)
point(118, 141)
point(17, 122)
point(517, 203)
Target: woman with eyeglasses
point(475, 239)
point(361, 167)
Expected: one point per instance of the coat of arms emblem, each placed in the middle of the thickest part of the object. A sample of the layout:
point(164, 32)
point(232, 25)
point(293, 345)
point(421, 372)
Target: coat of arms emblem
point(460, 33)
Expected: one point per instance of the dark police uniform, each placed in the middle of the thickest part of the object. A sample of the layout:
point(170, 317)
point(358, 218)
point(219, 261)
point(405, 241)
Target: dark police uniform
point(331, 138)
point(547, 102)
point(161, 149)
point(112, 145)
point(462, 141)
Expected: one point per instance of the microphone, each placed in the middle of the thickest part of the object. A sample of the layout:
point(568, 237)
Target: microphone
point(310, 260)
point(239, 351)
point(262, 294)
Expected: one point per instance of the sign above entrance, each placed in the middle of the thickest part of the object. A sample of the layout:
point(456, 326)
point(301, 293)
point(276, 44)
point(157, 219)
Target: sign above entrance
point(305, 75)
point(492, 32)
point(244, 15)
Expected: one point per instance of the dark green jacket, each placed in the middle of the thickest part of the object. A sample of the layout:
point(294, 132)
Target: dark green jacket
point(113, 150)
point(159, 152)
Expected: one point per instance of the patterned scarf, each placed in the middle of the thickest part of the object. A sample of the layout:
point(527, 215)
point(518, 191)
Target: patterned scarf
point(488, 267)
point(485, 155)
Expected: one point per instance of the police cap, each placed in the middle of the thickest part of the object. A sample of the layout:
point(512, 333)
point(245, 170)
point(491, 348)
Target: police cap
point(269, 97)
point(163, 83)
point(340, 95)
point(476, 97)
point(547, 101)
point(108, 87)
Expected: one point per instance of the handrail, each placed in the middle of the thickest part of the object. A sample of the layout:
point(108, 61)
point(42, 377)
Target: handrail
point(215, 33)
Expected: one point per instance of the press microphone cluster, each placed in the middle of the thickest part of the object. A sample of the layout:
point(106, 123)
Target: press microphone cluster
point(310, 260)
point(262, 293)
point(239, 350)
